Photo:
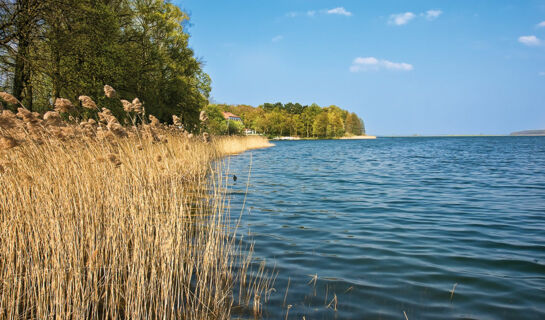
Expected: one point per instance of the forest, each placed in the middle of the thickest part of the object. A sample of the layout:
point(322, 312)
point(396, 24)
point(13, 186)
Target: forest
point(67, 48)
point(290, 119)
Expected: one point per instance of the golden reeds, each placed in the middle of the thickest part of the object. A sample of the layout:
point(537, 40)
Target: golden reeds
point(95, 224)
point(203, 117)
point(109, 92)
point(87, 102)
point(9, 98)
point(230, 145)
point(154, 121)
point(176, 121)
point(63, 105)
point(127, 106)
point(7, 142)
point(137, 106)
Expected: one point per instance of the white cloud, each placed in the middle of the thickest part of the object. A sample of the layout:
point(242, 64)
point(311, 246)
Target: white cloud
point(530, 40)
point(373, 64)
point(433, 14)
point(278, 38)
point(370, 61)
point(542, 74)
point(541, 24)
point(340, 11)
point(401, 18)
point(311, 13)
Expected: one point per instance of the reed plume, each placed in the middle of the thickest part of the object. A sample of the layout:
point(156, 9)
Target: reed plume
point(154, 121)
point(206, 137)
point(127, 106)
point(137, 106)
point(109, 92)
point(203, 117)
point(63, 105)
point(117, 129)
point(87, 102)
point(176, 121)
point(9, 98)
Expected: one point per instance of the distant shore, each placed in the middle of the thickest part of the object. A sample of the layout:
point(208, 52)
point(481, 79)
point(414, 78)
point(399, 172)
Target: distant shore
point(529, 133)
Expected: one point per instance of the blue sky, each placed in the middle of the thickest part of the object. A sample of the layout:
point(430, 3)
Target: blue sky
point(406, 67)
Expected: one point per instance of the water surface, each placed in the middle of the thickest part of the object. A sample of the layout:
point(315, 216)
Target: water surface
point(392, 225)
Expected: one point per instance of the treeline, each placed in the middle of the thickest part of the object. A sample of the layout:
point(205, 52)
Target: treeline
point(291, 119)
point(66, 48)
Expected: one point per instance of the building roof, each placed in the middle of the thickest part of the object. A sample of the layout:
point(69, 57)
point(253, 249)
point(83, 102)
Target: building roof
point(228, 115)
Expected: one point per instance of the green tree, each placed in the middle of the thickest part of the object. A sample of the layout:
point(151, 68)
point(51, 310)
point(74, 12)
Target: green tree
point(362, 127)
point(335, 126)
point(216, 123)
point(307, 118)
point(54, 48)
point(234, 127)
point(277, 120)
point(320, 125)
point(21, 26)
point(349, 124)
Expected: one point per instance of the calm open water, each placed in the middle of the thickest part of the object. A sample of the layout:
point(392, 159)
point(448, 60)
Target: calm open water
point(391, 225)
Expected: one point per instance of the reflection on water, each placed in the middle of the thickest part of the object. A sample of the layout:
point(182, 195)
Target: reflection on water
point(380, 227)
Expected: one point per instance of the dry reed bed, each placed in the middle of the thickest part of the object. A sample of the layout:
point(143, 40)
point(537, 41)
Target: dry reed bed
point(99, 221)
point(231, 145)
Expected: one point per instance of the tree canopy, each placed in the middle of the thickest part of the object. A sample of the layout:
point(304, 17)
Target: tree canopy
point(293, 119)
point(66, 48)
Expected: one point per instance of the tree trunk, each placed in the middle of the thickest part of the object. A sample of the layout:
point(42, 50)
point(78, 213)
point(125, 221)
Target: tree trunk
point(56, 79)
point(20, 77)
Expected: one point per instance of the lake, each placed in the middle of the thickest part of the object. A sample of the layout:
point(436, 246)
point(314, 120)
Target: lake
point(392, 225)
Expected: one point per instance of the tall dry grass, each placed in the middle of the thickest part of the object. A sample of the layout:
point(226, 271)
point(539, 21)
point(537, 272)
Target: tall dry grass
point(100, 221)
point(229, 145)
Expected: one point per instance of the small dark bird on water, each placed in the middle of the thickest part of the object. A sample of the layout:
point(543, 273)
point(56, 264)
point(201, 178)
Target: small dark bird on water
point(235, 178)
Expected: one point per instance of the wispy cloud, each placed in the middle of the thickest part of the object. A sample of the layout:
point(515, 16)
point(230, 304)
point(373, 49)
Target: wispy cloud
point(531, 41)
point(339, 11)
point(277, 38)
point(432, 14)
point(542, 74)
point(400, 19)
point(541, 24)
point(373, 64)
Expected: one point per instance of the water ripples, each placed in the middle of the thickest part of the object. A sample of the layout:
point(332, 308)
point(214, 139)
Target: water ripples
point(391, 225)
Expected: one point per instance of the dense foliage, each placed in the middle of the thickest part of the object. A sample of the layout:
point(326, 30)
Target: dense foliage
point(291, 119)
point(65, 48)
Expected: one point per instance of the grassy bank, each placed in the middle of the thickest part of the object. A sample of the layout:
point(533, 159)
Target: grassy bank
point(101, 221)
